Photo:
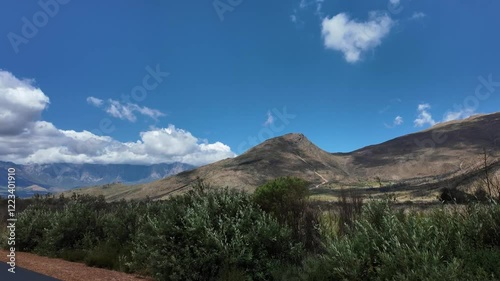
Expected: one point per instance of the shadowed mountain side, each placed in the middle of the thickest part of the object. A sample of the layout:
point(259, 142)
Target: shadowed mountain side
point(447, 148)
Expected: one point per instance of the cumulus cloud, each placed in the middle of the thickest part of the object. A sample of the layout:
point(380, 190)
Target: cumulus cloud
point(395, 2)
point(353, 38)
point(270, 119)
point(31, 140)
point(319, 6)
point(417, 15)
point(304, 5)
point(47, 144)
point(21, 103)
point(424, 117)
point(316, 3)
point(95, 101)
point(460, 113)
point(398, 120)
point(125, 111)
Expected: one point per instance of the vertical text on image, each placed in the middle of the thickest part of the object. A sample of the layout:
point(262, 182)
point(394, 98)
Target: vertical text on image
point(11, 220)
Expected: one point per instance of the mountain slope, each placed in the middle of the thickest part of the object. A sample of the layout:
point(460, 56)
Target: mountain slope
point(288, 155)
point(446, 148)
point(441, 152)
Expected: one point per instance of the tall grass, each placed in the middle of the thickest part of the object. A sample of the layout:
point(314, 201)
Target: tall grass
point(386, 244)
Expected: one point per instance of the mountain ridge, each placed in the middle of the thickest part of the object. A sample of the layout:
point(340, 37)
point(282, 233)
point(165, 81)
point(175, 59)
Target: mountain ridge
point(437, 153)
point(57, 177)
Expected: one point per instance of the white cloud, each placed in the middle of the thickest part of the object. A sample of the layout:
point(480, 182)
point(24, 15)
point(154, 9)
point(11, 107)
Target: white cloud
point(95, 101)
point(319, 6)
point(398, 120)
point(31, 140)
point(353, 38)
point(21, 103)
point(423, 106)
point(47, 144)
point(304, 5)
point(125, 111)
point(461, 113)
point(417, 15)
point(116, 109)
point(424, 117)
point(270, 119)
point(395, 2)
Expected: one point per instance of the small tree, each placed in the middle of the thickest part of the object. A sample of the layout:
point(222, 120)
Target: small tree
point(488, 181)
point(283, 197)
point(350, 207)
point(286, 198)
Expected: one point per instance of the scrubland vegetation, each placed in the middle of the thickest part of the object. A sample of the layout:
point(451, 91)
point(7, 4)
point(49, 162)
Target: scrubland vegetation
point(277, 233)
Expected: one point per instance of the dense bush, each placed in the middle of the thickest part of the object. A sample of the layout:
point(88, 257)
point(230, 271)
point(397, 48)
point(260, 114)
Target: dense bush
point(385, 244)
point(286, 199)
point(31, 227)
point(455, 195)
point(350, 207)
point(80, 228)
point(219, 234)
point(77, 226)
point(207, 235)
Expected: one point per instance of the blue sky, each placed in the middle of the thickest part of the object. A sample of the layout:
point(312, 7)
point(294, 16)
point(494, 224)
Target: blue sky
point(224, 75)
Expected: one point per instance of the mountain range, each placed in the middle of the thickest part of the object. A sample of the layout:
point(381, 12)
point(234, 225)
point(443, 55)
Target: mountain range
point(45, 178)
point(443, 153)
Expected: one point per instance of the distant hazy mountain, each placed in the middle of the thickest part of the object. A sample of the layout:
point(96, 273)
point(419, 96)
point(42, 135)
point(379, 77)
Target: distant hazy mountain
point(43, 178)
point(443, 151)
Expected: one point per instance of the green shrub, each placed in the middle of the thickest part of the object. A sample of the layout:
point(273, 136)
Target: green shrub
point(385, 244)
point(485, 261)
point(4, 236)
point(74, 228)
point(454, 195)
point(482, 225)
point(232, 274)
point(32, 224)
point(283, 197)
point(104, 256)
point(209, 234)
point(199, 235)
point(350, 207)
point(286, 198)
point(74, 255)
